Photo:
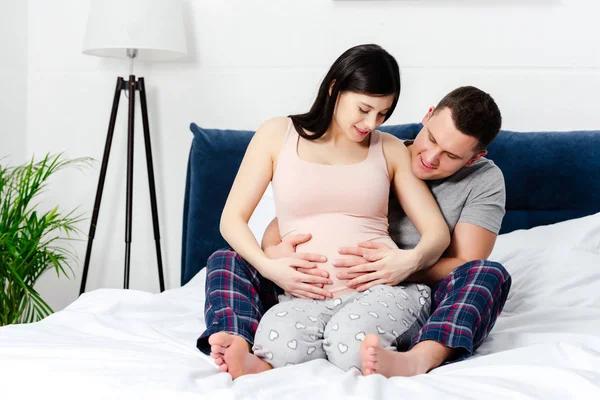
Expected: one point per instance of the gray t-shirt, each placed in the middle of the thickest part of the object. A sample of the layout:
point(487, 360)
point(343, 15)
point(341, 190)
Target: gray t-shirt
point(474, 194)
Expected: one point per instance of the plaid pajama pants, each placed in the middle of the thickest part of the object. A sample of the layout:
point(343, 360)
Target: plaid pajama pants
point(465, 304)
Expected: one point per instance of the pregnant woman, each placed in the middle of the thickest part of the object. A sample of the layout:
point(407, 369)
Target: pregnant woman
point(331, 172)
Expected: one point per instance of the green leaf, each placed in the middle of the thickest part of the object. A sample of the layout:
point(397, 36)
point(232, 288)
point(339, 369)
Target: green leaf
point(33, 239)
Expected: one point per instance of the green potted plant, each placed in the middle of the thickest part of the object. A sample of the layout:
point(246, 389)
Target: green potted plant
point(32, 241)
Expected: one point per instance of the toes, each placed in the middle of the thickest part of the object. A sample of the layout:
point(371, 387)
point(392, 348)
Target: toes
point(220, 338)
point(217, 349)
point(369, 368)
point(371, 341)
point(214, 338)
point(218, 357)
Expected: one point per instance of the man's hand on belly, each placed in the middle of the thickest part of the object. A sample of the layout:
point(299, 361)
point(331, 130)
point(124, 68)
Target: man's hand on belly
point(287, 248)
point(375, 264)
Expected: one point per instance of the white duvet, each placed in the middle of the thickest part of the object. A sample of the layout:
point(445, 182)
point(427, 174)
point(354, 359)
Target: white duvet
point(131, 344)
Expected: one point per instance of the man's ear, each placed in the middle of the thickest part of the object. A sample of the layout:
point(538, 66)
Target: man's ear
point(475, 158)
point(428, 115)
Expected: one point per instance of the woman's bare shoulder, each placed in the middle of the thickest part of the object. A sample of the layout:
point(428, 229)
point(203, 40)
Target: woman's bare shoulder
point(393, 146)
point(269, 137)
point(272, 132)
point(274, 128)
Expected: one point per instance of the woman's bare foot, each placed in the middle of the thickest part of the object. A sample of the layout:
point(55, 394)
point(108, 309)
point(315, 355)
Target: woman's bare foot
point(232, 355)
point(377, 360)
point(217, 352)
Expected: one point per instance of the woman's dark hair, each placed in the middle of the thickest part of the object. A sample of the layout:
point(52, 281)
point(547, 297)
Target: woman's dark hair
point(366, 69)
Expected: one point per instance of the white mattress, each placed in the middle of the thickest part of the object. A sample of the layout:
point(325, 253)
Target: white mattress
point(130, 344)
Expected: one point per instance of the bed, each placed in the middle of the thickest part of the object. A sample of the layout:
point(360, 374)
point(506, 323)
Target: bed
point(113, 343)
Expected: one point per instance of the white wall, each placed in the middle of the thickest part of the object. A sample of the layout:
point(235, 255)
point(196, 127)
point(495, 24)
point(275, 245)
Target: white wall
point(13, 81)
point(251, 60)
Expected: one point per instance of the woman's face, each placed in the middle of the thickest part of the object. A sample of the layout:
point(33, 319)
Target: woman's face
point(356, 114)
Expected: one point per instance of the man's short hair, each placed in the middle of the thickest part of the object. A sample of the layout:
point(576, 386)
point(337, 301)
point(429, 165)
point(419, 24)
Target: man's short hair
point(474, 112)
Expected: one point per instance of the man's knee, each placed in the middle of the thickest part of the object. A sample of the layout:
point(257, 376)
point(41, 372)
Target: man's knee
point(489, 271)
point(466, 283)
point(499, 280)
point(501, 272)
point(478, 274)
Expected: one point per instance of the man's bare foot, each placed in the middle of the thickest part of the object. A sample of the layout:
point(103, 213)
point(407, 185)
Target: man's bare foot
point(232, 355)
point(377, 360)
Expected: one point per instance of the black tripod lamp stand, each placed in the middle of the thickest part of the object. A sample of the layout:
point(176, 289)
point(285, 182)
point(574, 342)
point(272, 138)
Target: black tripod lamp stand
point(143, 30)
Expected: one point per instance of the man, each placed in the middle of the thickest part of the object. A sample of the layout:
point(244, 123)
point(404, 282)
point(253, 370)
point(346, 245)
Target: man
point(468, 292)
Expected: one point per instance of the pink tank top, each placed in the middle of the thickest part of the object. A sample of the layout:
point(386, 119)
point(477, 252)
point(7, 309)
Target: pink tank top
point(340, 205)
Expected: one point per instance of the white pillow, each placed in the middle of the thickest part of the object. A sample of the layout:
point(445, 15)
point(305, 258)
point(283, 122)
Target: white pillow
point(579, 232)
point(554, 265)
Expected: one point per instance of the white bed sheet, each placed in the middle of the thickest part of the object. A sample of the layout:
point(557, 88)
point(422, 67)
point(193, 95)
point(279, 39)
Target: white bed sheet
point(114, 343)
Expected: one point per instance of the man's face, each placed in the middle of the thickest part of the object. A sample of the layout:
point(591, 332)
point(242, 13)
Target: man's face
point(440, 149)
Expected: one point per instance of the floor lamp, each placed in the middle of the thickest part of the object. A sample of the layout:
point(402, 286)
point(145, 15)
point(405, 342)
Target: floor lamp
point(150, 30)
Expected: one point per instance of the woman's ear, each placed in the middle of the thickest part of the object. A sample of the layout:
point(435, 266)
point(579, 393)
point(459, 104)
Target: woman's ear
point(331, 86)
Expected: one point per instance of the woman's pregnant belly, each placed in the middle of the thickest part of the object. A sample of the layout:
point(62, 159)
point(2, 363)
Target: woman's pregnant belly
point(332, 231)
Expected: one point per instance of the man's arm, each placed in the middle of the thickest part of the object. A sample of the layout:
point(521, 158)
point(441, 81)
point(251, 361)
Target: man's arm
point(271, 237)
point(475, 234)
point(469, 242)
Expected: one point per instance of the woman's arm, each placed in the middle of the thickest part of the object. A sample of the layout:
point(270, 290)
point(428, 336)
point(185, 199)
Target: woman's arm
point(418, 204)
point(251, 181)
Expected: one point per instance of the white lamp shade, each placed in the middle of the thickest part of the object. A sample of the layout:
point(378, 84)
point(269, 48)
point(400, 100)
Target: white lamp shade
point(153, 27)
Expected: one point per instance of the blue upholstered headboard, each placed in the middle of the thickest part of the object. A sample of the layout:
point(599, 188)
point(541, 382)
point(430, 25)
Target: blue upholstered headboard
point(550, 177)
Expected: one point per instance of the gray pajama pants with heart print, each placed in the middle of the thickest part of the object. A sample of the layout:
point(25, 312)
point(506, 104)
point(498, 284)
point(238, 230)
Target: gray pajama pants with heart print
point(299, 330)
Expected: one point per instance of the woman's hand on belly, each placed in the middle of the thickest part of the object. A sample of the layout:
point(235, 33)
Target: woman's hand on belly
point(284, 273)
point(375, 264)
point(287, 249)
